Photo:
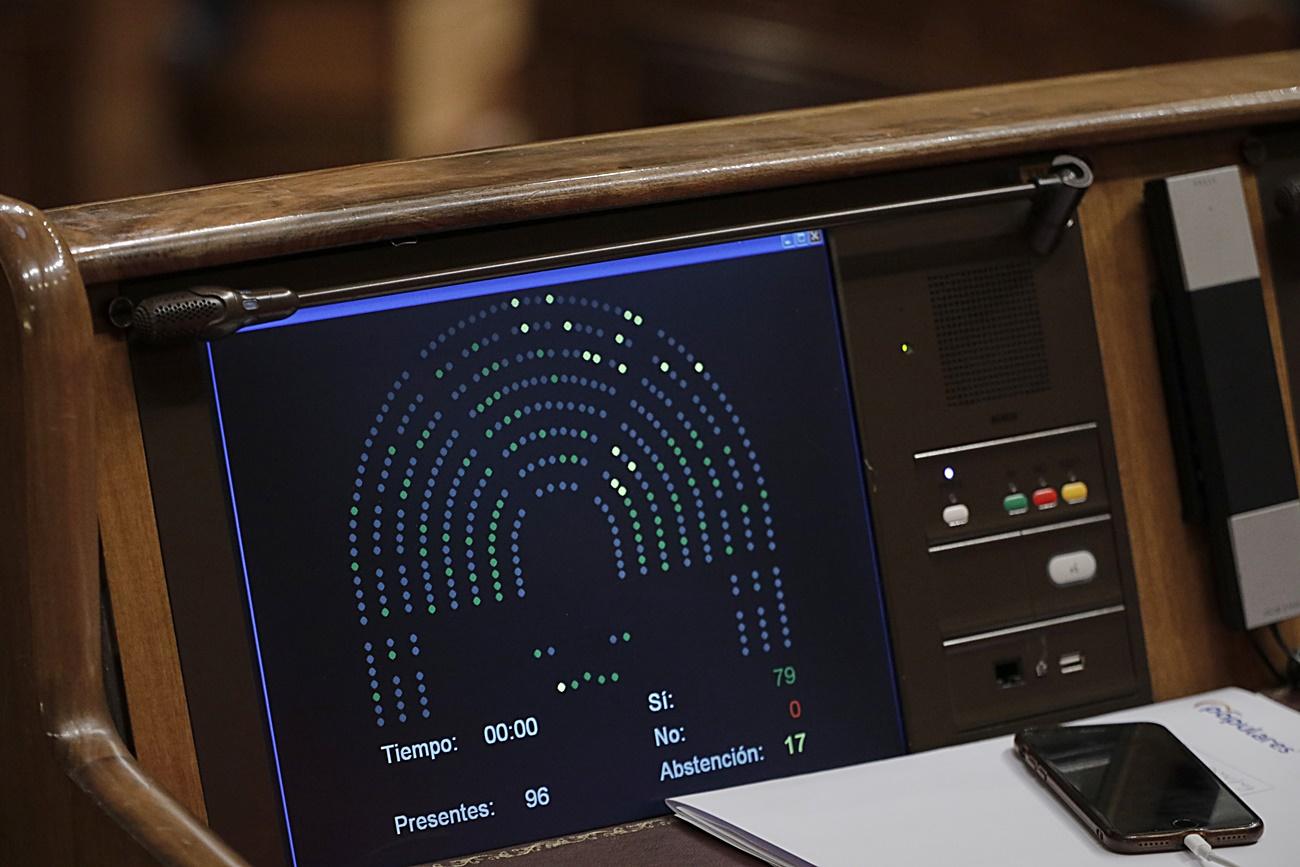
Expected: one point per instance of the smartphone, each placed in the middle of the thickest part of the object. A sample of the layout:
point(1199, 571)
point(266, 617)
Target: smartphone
point(1136, 787)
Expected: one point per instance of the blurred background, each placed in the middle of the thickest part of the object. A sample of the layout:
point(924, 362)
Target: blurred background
point(107, 98)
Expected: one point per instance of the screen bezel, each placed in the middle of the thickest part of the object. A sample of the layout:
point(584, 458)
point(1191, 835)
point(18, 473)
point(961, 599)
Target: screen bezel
point(196, 530)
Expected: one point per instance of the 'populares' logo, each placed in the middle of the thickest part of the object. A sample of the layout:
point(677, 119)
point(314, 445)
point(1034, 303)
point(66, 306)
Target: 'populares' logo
point(1230, 717)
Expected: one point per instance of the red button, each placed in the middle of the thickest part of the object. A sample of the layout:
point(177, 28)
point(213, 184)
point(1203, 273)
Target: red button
point(1045, 498)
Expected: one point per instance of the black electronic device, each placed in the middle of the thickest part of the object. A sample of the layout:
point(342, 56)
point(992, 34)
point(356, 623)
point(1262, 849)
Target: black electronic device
point(1221, 381)
point(1136, 787)
point(504, 548)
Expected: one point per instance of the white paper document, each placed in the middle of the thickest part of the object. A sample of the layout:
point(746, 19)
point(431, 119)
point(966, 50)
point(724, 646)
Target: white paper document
point(975, 805)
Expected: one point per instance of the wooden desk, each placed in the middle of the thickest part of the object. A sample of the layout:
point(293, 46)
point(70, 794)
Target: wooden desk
point(80, 505)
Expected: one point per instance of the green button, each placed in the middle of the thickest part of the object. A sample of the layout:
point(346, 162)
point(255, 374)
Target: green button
point(1015, 504)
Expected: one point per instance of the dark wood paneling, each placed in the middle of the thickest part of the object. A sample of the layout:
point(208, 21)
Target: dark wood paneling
point(49, 677)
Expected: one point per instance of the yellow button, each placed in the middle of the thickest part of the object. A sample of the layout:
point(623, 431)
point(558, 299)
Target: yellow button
point(1074, 493)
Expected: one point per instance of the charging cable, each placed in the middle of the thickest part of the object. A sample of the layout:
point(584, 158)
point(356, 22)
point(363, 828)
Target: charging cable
point(1292, 657)
point(1202, 849)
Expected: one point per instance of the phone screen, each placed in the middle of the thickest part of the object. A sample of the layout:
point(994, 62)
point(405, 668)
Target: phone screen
point(1138, 777)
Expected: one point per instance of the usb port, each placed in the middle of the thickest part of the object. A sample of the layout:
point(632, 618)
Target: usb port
point(1071, 662)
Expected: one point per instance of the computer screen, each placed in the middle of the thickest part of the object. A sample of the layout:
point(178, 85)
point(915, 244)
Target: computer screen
point(526, 556)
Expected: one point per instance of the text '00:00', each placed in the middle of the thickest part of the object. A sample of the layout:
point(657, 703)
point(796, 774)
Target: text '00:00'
point(498, 733)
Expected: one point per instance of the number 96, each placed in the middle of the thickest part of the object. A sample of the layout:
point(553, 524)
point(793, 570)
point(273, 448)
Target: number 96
point(538, 797)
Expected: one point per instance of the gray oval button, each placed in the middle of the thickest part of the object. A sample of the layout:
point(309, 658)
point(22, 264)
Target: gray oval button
point(1076, 567)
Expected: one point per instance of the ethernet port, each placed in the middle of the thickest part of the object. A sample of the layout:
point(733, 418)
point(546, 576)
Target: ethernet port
point(1008, 673)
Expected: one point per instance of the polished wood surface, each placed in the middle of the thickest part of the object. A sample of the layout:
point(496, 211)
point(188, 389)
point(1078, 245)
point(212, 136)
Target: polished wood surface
point(136, 586)
point(55, 713)
point(296, 213)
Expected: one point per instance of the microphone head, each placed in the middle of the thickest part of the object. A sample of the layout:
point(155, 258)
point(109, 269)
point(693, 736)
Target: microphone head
point(201, 313)
point(175, 316)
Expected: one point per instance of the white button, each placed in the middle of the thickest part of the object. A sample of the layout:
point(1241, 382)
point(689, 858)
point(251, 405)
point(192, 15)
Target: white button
point(956, 515)
point(1076, 567)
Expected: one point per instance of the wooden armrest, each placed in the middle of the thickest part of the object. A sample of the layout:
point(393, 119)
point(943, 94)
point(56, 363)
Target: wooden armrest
point(49, 538)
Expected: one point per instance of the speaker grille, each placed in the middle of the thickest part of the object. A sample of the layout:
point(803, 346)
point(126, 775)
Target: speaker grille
point(989, 332)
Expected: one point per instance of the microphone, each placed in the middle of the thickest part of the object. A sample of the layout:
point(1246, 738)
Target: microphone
point(201, 313)
point(1061, 192)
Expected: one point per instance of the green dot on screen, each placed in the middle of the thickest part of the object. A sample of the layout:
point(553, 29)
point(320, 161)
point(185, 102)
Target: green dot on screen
point(537, 654)
point(433, 609)
point(478, 601)
point(384, 612)
point(614, 677)
point(627, 636)
point(374, 696)
point(392, 654)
